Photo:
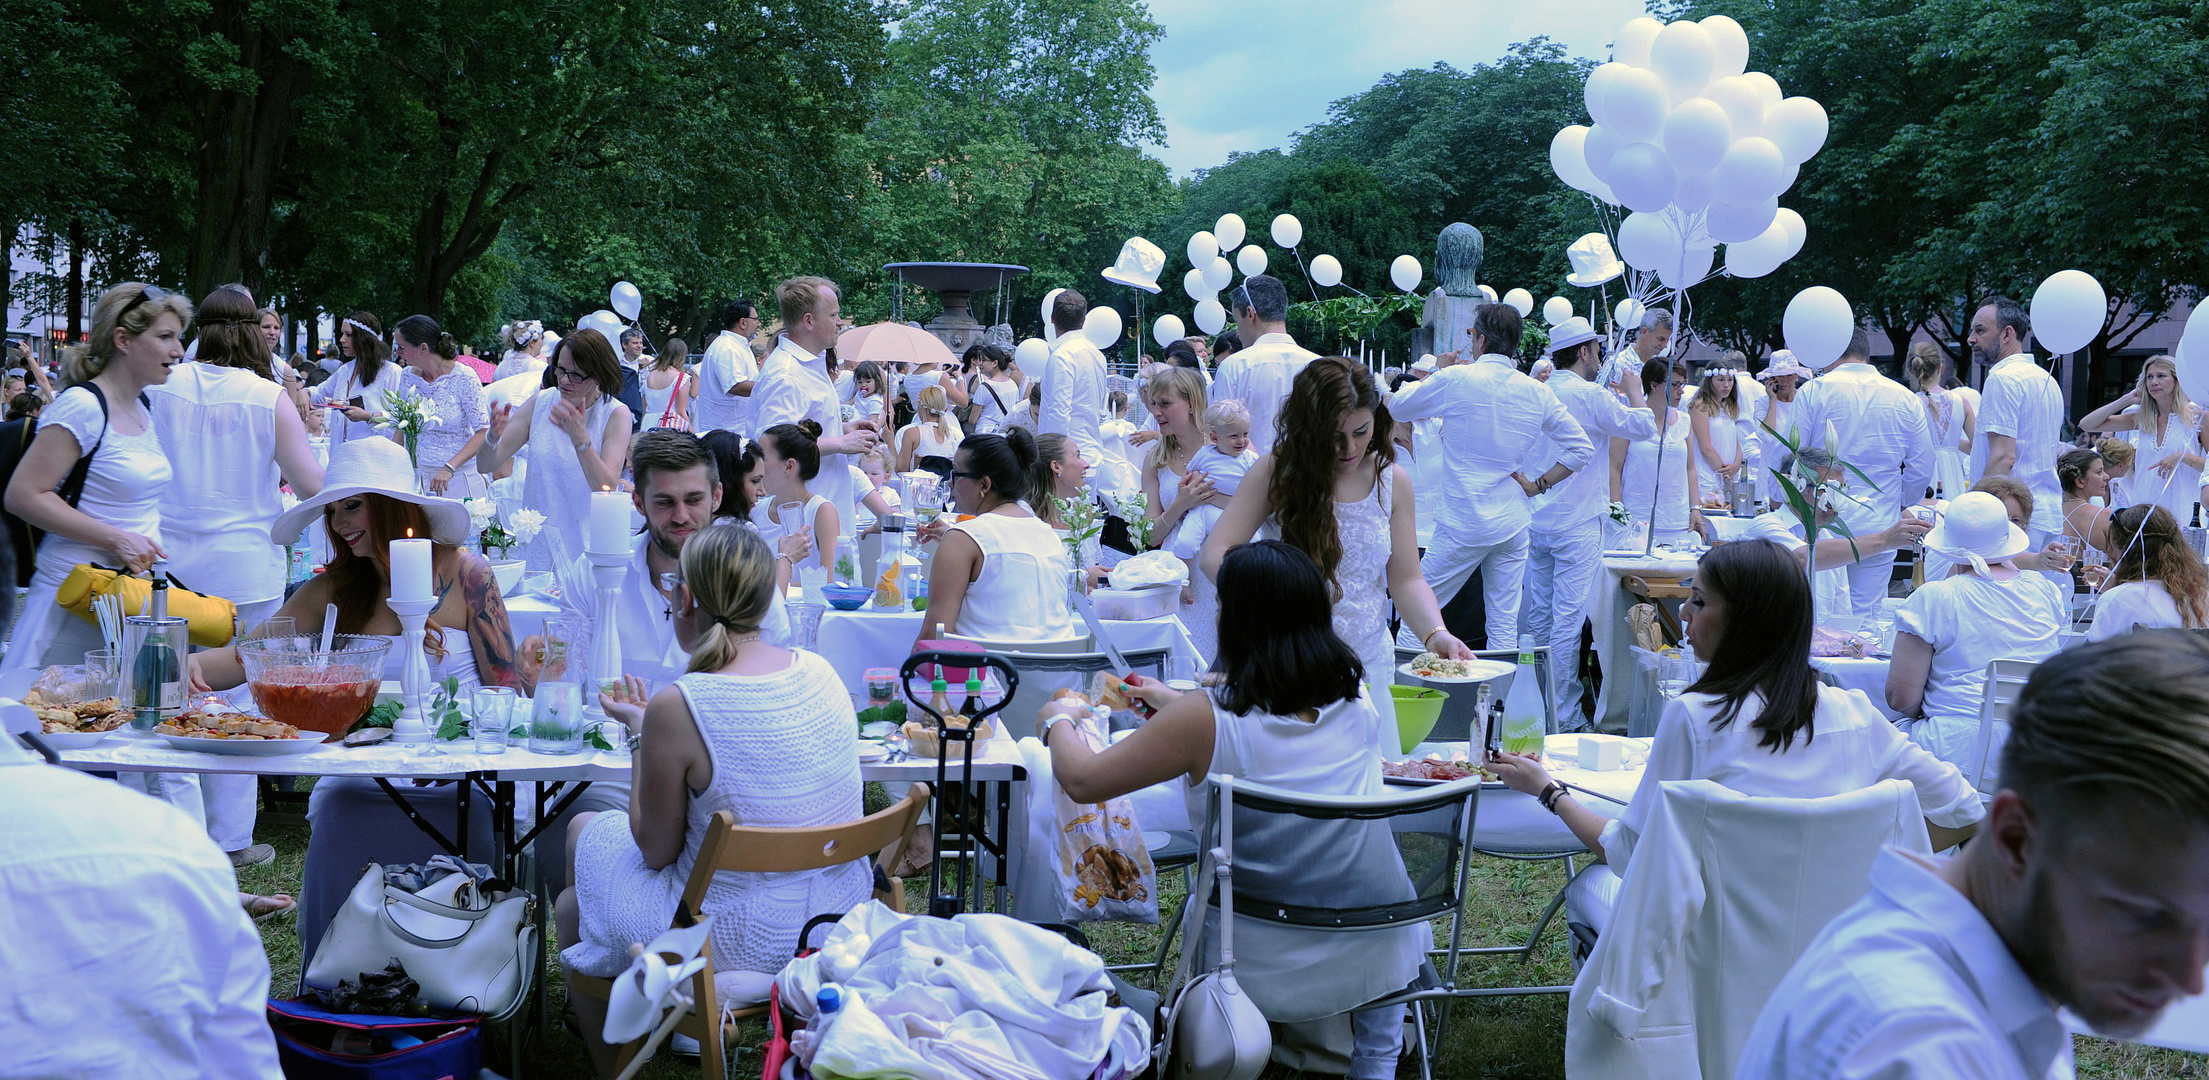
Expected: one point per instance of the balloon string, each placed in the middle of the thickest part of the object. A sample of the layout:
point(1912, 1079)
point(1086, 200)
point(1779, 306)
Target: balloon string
point(1314, 286)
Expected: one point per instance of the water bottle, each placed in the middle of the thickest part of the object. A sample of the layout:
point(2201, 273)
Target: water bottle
point(806, 1043)
point(1523, 720)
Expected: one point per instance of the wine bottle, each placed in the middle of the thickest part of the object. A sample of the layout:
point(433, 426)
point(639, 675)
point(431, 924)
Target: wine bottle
point(973, 704)
point(1523, 719)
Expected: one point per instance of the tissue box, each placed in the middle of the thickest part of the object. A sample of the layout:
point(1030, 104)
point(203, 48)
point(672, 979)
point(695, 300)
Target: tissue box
point(1149, 602)
point(1602, 755)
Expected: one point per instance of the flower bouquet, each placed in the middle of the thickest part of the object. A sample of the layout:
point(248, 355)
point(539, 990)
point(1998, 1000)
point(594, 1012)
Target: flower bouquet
point(410, 414)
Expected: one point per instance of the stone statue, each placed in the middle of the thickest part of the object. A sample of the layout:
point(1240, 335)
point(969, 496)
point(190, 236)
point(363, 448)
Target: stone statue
point(1449, 309)
point(1457, 255)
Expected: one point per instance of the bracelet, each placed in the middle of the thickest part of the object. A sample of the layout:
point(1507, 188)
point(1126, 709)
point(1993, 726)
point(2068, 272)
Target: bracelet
point(448, 467)
point(1549, 796)
point(1430, 634)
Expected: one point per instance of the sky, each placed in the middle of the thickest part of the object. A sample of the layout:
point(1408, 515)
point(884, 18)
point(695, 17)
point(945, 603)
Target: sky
point(1246, 75)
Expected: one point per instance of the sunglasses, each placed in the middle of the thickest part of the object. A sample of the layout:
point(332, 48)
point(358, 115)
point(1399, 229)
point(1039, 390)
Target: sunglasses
point(145, 292)
point(974, 476)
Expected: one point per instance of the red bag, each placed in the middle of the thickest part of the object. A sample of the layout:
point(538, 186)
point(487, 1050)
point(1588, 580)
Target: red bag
point(953, 675)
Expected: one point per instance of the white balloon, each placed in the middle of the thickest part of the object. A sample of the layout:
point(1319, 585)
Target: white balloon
point(608, 325)
point(1694, 265)
point(626, 300)
point(1759, 255)
point(1520, 301)
point(1406, 273)
point(1556, 309)
point(1797, 231)
point(1194, 284)
point(1730, 224)
point(1327, 271)
point(1638, 101)
point(1744, 106)
point(1599, 84)
point(1487, 294)
point(1251, 260)
point(1102, 327)
point(1697, 135)
point(2193, 354)
point(1767, 88)
point(1798, 126)
point(1287, 231)
point(1167, 330)
point(1210, 316)
point(1203, 248)
point(1218, 272)
point(1750, 172)
point(1567, 157)
point(1030, 354)
point(1647, 241)
point(1634, 41)
point(1787, 178)
point(1049, 298)
point(1228, 230)
point(2068, 311)
point(1817, 326)
point(1731, 44)
point(1597, 148)
point(1684, 56)
point(1693, 194)
point(1628, 313)
point(1603, 191)
point(1643, 177)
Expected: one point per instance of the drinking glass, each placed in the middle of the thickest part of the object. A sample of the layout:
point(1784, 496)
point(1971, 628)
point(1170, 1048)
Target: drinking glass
point(103, 674)
point(275, 628)
point(1181, 673)
point(805, 625)
point(1675, 674)
point(494, 714)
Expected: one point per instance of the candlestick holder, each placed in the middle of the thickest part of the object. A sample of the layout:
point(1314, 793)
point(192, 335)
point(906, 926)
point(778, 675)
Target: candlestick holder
point(611, 571)
point(412, 726)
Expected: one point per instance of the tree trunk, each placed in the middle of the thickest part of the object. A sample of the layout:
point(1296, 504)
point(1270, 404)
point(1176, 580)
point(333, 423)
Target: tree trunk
point(243, 135)
point(1898, 340)
point(73, 298)
point(441, 253)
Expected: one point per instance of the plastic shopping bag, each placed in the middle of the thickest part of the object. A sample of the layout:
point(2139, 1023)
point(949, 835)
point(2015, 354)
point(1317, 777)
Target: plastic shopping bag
point(1103, 867)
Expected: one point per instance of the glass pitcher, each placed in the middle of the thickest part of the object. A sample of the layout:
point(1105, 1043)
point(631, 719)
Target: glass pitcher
point(556, 723)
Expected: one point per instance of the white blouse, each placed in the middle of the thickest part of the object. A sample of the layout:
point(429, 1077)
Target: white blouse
point(1971, 621)
point(2144, 605)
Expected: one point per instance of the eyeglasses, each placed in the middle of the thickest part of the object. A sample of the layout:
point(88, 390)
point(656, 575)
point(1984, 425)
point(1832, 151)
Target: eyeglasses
point(145, 292)
point(974, 476)
point(569, 376)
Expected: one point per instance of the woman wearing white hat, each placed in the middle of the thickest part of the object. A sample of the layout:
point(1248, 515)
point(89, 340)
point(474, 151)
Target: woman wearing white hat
point(1781, 378)
point(368, 500)
point(1985, 609)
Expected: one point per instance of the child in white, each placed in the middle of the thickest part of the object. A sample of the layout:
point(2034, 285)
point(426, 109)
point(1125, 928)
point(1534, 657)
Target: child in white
point(1223, 460)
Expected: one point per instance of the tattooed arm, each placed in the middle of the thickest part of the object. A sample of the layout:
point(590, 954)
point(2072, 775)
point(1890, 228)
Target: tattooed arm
point(488, 631)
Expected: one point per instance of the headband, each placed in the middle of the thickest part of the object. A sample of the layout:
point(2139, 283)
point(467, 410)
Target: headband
point(362, 329)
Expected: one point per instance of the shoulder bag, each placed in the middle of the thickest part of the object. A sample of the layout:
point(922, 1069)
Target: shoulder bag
point(469, 947)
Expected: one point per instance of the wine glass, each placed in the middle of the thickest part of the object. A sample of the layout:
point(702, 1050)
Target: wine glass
point(1181, 673)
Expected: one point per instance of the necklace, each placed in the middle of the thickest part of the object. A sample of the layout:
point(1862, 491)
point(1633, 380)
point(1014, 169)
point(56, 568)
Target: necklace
point(744, 639)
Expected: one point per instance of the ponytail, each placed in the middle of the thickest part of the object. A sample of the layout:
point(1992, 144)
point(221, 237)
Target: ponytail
point(731, 576)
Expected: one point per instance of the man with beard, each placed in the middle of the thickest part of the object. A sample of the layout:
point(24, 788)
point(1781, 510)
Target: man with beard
point(2020, 412)
point(2086, 888)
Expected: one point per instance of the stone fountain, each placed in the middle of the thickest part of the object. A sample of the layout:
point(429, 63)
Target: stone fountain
point(955, 285)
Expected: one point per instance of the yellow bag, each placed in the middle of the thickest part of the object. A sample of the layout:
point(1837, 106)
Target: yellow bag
point(214, 620)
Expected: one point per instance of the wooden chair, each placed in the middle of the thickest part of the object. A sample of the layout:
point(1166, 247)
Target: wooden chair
point(1650, 589)
point(751, 849)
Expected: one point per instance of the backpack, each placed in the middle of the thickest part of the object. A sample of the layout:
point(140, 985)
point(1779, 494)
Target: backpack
point(15, 441)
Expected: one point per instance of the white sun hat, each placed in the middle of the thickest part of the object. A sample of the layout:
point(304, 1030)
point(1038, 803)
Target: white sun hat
point(1139, 264)
point(374, 467)
point(1784, 364)
point(1977, 530)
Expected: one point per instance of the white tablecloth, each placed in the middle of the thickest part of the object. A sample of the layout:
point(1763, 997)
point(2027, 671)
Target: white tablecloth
point(853, 641)
point(1726, 526)
point(1514, 823)
point(1612, 639)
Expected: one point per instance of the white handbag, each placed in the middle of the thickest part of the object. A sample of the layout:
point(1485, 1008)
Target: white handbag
point(468, 950)
point(1213, 1031)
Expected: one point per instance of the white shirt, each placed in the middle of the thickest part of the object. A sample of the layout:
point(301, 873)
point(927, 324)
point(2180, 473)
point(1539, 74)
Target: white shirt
point(794, 385)
point(1074, 395)
point(1829, 586)
point(1881, 429)
point(649, 649)
point(218, 427)
point(1494, 418)
point(1259, 375)
point(1602, 416)
point(123, 951)
point(1972, 621)
point(2142, 604)
point(728, 362)
point(2023, 402)
point(1910, 982)
point(344, 386)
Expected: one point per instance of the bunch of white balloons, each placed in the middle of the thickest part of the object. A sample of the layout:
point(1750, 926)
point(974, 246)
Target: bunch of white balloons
point(1696, 147)
point(1210, 271)
point(628, 304)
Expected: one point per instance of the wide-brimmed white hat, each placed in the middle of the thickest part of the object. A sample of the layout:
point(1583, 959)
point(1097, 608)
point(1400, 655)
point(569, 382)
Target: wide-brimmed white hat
point(1139, 264)
point(1572, 333)
point(1784, 363)
point(373, 466)
point(1977, 530)
point(1593, 261)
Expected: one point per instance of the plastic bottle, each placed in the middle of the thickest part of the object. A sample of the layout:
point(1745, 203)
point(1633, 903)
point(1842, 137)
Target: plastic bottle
point(939, 695)
point(1523, 720)
point(806, 1043)
point(973, 703)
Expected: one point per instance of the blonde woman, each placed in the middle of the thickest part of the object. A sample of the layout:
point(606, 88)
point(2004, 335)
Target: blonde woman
point(1949, 417)
point(759, 731)
point(1171, 490)
point(525, 349)
point(1715, 417)
point(933, 436)
point(2167, 430)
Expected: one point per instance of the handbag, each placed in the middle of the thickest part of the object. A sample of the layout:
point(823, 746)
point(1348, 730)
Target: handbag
point(678, 421)
point(313, 1043)
point(470, 948)
point(1213, 1031)
point(214, 620)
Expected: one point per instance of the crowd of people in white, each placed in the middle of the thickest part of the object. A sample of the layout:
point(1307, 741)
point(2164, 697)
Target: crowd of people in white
point(1327, 520)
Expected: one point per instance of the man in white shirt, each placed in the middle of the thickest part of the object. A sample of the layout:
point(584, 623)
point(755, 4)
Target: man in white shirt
point(1879, 427)
point(123, 948)
point(1566, 538)
point(795, 384)
point(1260, 373)
point(727, 374)
point(1829, 583)
point(2020, 412)
point(1650, 342)
point(1074, 381)
point(2086, 888)
point(1494, 419)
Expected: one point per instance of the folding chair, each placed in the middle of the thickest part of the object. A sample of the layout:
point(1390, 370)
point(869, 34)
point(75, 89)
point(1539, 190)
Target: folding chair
point(2005, 680)
point(1652, 590)
point(751, 849)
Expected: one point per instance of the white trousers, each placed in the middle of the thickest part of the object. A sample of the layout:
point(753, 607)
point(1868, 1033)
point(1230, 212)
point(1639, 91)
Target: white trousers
point(1450, 562)
point(1560, 578)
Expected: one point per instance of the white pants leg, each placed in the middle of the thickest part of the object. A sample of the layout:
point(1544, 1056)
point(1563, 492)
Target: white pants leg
point(1449, 563)
point(233, 799)
point(1564, 566)
point(1377, 1041)
point(1868, 583)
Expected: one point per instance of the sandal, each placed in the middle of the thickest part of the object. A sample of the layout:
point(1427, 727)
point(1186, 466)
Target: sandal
point(264, 908)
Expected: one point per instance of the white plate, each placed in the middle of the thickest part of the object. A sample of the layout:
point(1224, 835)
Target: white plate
point(78, 740)
point(305, 743)
point(1483, 671)
point(872, 751)
point(1153, 839)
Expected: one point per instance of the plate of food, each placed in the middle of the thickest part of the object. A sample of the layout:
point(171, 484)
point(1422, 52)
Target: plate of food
point(77, 724)
point(1427, 667)
point(870, 750)
point(1429, 771)
point(237, 734)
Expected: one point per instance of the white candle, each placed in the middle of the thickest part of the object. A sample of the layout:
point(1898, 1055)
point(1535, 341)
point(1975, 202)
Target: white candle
point(410, 570)
point(609, 532)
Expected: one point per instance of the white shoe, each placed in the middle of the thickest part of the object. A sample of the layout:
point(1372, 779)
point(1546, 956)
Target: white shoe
point(683, 1045)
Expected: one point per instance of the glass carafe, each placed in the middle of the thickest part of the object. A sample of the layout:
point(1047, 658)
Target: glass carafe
point(556, 722)
point(154, 652)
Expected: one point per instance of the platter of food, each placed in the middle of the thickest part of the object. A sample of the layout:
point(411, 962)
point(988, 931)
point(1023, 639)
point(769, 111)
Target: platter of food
point(76, 725)
point(1427, 667)
point(1429, 771)
point(236, 734)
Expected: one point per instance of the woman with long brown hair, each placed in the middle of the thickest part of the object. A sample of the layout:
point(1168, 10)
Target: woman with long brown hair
point(356, 390)
point(1715, 418)
point(577, 431)
point(2158, 580)
point(1331, 488)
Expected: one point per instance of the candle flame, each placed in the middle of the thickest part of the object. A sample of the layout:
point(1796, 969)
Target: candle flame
point(410, 534)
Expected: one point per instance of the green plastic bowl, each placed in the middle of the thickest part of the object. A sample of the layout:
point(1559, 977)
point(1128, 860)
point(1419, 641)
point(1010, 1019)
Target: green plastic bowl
point(1417, 710)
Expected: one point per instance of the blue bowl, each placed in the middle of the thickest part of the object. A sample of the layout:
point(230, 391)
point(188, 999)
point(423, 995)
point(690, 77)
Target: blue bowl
point(846, 597)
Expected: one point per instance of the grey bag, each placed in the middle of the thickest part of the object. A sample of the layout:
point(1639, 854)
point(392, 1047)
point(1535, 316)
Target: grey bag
point(1213, 1031)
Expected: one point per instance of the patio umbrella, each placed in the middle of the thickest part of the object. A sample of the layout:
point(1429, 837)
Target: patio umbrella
point(894, 343)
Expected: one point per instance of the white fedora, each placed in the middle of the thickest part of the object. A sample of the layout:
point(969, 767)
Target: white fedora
point(374, 466)
point(1139, 264)
point(1593, 261)
point(1572, 333)
point(1977, 530)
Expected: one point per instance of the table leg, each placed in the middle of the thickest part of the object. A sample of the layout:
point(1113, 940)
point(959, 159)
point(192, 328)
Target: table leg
point(423, 823)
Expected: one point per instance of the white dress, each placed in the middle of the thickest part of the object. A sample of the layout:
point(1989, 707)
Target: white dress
point(772, 530)
point(782, 758)
point(656, 402)
point(929, 445)
point(555, 485)
point(346, 386)
point(1020, 594)
point(2183, 489)
point(1725, 438)
point(1641, 475)
point(461, 412)
point(1201, 615)
point(1361, 614)
point(1946, 422)
point(990, 411)
point(1971, 621)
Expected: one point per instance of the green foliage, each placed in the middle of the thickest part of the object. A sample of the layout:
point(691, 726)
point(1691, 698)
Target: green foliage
point(383, 714)
point(444, 711)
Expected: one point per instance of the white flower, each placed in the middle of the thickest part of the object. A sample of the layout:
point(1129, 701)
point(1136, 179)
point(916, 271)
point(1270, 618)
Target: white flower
point(526, 525)
point(481, 512)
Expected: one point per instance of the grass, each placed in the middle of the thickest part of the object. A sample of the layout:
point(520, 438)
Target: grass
point(1511, 1038)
